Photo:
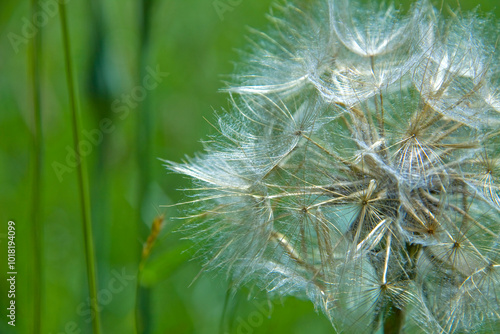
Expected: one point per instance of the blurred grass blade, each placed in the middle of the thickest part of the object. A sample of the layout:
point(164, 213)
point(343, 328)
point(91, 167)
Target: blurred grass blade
point(37, 234)
point(82, 177)
point(144, 149)
point(144, 121)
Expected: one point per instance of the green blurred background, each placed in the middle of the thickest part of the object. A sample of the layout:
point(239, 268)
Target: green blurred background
point(114, 46)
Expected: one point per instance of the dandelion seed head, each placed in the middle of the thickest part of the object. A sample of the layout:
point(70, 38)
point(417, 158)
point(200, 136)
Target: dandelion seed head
point(359, 167)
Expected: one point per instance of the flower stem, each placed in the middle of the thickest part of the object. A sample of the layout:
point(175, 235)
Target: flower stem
point(37, 235)
point(82, 177)
point(393, 323)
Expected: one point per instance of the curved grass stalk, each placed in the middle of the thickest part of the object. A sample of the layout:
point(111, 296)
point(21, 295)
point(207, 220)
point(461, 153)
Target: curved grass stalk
point(82, 176)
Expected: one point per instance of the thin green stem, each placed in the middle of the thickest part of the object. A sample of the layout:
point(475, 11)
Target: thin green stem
point(144, 120)
point(137, 316)
point(144, 150)
point(37, 235)
point(139, 323)
point(139, 290)
point(82, 177)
